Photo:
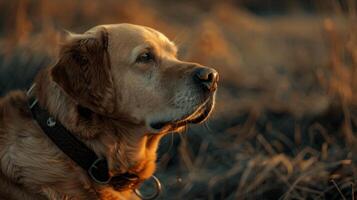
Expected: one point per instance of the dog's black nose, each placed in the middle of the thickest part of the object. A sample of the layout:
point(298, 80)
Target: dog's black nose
point(206, 77)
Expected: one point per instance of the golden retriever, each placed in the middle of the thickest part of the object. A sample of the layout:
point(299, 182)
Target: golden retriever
point(118, 89)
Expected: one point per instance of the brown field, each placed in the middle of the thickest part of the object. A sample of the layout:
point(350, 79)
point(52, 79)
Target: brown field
point(285, 123)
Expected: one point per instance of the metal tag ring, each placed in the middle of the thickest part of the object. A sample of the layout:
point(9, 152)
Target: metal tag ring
point(158, 188)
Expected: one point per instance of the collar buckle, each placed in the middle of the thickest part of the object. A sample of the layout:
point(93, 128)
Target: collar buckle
point(94, 171)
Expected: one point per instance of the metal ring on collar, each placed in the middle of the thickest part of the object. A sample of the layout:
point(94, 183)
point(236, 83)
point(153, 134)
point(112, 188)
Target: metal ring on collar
point(94, 166)
point(153, 196)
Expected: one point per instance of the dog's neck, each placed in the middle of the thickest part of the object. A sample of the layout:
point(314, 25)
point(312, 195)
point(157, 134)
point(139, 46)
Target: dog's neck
point(125, 145)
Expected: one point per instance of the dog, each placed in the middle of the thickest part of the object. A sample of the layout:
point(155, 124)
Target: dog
point(117, 89)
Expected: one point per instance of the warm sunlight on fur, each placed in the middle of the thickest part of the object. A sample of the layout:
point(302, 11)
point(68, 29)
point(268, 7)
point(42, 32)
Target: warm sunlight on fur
point(119, 88)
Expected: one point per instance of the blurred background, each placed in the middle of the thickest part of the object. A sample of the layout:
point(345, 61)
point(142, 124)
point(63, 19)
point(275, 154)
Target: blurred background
point(286, 115)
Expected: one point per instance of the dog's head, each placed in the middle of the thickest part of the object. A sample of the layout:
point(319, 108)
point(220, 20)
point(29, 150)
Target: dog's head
point(133, 70)
point(131, 73)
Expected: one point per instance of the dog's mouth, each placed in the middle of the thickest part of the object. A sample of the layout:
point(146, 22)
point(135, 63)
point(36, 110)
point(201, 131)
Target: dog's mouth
point(198, 116)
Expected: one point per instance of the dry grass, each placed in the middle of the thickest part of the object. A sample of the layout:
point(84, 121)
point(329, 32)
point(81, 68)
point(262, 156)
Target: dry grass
point(286, 118)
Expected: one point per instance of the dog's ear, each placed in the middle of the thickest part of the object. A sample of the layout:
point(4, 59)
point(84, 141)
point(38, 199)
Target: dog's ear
point(83, 71)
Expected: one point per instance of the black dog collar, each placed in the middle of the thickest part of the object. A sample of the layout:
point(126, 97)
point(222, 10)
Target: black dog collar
point(86, 158)
point(96, 167)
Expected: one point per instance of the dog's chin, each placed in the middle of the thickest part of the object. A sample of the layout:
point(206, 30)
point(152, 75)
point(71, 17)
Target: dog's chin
point(197, 116)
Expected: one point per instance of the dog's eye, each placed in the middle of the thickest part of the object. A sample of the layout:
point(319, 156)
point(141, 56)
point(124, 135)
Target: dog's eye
point(145, 57)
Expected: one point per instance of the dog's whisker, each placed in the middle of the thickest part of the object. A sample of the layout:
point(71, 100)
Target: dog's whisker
point(171, 141)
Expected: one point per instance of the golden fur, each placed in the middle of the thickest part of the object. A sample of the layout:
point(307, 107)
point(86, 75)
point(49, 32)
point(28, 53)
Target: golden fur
point(101, 94)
